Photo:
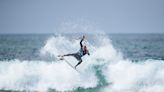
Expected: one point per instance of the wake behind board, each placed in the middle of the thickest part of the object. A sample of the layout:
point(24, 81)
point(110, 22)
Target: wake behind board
point(62, 58)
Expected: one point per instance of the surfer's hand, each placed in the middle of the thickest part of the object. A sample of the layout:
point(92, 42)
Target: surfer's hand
point(83, 37)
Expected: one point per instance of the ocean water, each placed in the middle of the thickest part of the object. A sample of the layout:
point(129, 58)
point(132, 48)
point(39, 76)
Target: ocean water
point(118, 63)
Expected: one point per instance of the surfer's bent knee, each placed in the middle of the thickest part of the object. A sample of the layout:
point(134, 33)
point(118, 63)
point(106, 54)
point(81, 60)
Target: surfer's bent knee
point(80, 62)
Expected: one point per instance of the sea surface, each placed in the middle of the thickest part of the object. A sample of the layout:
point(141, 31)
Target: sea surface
point(118, 63)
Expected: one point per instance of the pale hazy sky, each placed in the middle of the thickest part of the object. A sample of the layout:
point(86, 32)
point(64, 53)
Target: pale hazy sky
point(111, 16)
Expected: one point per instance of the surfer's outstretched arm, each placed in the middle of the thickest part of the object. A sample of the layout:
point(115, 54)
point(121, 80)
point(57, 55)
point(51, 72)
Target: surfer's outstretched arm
point(81, 45)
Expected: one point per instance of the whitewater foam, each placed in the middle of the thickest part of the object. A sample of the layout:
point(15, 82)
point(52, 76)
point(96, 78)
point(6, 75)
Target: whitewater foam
point(40, 75)
point(128, 76)
point(121, 75)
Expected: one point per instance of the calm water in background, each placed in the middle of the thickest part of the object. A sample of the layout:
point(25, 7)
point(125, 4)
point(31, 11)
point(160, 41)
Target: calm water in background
point(140, 46)
point(133, 46)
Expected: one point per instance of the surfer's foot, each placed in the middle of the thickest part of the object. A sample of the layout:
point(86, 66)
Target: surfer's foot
point(61, 56)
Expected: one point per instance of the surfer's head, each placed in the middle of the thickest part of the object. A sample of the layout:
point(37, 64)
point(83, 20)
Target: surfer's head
point(85, 47)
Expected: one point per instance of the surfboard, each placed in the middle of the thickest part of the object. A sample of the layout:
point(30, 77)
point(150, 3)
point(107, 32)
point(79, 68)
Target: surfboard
point(62, 58)
point(70, 65)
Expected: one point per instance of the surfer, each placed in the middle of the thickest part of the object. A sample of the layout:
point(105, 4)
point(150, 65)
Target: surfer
point(78, 55)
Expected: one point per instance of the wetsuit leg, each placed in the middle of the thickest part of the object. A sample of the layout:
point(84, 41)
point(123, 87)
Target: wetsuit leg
point(77, 57)
point(69, 54)
point(78, 63)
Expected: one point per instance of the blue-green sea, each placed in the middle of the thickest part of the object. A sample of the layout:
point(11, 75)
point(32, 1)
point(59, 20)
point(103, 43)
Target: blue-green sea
point(117, 63)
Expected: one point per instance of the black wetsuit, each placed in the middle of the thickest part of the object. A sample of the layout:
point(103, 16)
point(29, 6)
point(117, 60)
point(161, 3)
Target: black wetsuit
point(79, 54)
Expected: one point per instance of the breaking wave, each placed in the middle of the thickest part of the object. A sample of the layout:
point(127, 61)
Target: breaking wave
point(104, 70)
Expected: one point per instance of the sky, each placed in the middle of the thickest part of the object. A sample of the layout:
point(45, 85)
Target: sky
point(54, 16)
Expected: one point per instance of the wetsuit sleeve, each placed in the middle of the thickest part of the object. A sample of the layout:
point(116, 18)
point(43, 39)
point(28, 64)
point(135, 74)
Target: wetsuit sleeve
point(81, 45)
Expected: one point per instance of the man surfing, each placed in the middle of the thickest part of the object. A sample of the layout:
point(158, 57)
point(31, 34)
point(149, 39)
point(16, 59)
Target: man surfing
point(78, 55)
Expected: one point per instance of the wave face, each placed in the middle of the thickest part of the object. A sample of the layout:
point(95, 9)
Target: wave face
point(105, 70)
